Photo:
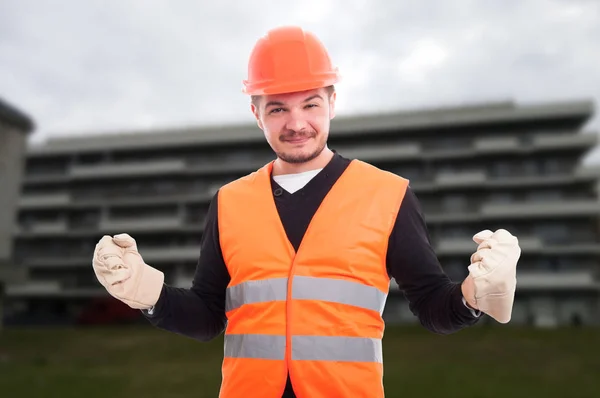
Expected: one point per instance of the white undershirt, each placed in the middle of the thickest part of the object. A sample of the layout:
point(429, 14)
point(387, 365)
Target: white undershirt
point(297, 181)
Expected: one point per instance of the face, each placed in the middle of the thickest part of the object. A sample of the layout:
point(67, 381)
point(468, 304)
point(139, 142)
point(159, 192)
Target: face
point(296, 125)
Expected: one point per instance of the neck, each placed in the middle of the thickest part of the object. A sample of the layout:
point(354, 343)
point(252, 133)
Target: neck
point(280, 167)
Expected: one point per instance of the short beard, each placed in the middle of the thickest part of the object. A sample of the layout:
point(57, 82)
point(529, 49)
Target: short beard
point(298, 159)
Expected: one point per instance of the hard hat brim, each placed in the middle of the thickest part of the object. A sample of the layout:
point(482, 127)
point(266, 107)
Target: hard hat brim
point(267, 88)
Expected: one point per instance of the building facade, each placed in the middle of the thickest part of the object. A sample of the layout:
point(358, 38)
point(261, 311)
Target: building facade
point(14, 127)
point(498, 165)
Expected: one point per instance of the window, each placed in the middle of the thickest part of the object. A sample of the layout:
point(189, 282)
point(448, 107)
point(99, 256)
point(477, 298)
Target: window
point(239, 157)
point(530, 167)
point(455, 202)
point(501, 197)
point(456, 232)
point(409, 172)
point(570, 264)
point(501, 169)
point(165, 187)
point(552, 232)
point(143, 212)
point(447, 169)
point(195, 214)
point(448, 143)
point(43, 216)
point(198, 186)
point(544, 195)
point(546, 264)
point(90, 158)
point(561, 165)
point(552, 166)
point(46, 189)
point(46, 166)
point(84, 219)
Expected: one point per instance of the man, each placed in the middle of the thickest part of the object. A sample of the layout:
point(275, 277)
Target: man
point(296, 258)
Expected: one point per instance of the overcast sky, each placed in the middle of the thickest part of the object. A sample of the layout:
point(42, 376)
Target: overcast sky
point(81, 67)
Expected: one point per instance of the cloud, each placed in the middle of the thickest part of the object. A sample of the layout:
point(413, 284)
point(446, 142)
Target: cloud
point(81, 67)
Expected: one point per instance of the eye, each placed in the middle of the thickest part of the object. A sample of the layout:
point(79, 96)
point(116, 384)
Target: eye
point(276, 110)
point(311, 105)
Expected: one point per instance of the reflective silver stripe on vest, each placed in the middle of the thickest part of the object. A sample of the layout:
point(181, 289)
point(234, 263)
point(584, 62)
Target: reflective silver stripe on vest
point(309, 348)
point(336, 348)
point(339, 291)
point(260, 346)
point(259, 291)
point(306, 288)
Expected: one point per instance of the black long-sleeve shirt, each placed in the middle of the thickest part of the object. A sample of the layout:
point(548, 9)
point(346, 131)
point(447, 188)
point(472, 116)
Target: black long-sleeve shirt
point(437, 301)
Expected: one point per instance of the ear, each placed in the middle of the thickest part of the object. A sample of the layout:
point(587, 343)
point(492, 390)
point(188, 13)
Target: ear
point(332, 105)
point(256, 114)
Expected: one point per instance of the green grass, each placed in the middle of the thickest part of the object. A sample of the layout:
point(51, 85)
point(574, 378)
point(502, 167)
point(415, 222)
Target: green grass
point(481, 362)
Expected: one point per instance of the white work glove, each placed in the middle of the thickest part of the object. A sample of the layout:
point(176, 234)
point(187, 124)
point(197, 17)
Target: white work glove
point(122, 271)
point(494, 272)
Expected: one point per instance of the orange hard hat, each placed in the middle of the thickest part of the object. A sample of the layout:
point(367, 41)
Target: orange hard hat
point(289, 59)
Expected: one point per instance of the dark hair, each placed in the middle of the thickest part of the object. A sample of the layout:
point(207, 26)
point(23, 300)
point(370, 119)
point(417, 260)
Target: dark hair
point(256, 98)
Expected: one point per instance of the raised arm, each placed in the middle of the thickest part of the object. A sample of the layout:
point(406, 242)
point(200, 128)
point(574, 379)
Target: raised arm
point(198, 312)
point(432, 296)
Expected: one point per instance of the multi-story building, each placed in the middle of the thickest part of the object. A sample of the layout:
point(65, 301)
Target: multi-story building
point(498, 165)
point(14, 127)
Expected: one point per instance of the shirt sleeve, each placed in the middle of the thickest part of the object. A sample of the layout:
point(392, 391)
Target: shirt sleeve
point(197, 312)
point(432, 296)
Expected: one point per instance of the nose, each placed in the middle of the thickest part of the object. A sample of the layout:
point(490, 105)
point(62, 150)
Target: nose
point(296, 122)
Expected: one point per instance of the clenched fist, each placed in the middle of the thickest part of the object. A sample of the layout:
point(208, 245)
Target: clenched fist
point(122, 271)
point(493, 270)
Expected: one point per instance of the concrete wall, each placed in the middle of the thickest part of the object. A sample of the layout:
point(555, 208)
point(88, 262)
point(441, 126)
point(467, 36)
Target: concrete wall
point(12, 150)
point(14, 127)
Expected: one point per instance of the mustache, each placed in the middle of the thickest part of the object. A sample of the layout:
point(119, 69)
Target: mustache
point(293, 135)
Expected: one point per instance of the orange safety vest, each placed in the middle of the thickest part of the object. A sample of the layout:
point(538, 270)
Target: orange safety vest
point(316, 313)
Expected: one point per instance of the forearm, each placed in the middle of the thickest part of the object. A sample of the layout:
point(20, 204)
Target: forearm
point(186, 312)
point(440, 308)
point(432, 296)
point(198, 312)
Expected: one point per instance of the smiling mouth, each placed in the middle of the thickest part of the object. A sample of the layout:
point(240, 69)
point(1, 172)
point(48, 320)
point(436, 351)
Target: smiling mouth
point(298, 140)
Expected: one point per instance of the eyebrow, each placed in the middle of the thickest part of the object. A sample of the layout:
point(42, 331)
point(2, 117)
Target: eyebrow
point(279, 103)
point(312, 97)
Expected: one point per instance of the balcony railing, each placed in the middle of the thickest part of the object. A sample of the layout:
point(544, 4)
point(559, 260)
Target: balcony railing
point(572, 280)
point(32, 201)
point(127, 169)
point(148, 223)
point(575, 207)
